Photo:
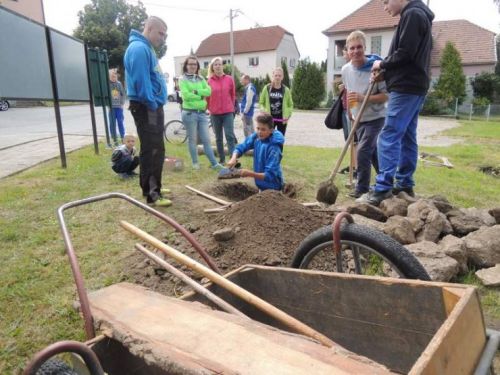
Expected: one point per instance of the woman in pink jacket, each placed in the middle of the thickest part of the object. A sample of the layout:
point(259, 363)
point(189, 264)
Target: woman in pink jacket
point(221, 107)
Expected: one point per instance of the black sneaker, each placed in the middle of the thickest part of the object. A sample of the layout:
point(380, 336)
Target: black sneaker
point(344, 170)
point(375, 197)
point(355, 194)
point(407, 190)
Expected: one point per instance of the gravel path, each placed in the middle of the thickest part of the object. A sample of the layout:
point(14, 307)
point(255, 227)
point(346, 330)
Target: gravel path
point(306, 128)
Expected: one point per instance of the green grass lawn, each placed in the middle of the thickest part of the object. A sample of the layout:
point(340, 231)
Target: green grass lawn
point(36, 286)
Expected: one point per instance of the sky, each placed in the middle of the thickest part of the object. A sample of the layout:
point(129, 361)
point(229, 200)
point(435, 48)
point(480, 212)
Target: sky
point(189, 22)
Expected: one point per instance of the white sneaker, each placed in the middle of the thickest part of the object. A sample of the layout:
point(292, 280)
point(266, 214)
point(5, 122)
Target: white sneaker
point(196, 166)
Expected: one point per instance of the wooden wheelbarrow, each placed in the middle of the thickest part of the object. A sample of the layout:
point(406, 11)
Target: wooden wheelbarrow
point(365, 325)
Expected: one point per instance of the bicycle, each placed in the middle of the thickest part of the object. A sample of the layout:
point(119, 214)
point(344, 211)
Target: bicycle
point(175, 131)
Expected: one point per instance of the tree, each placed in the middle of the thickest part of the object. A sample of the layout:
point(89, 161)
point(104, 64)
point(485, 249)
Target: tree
point(308, 85)
point(497, 3)
point(286, 76)
point(485, 85)
point(451, 82)
point(106, 24)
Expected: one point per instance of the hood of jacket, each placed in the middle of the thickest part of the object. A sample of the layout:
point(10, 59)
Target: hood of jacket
point(370, 59)
point(277, 138)
point(136, 36)
point(418, 4)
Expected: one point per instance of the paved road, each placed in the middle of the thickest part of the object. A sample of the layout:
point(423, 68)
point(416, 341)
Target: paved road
point(28, 136)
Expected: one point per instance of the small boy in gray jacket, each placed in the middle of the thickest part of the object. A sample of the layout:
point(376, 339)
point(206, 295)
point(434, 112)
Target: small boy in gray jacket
point(123, 158)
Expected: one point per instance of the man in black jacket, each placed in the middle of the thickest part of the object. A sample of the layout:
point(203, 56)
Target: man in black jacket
point(407, 76)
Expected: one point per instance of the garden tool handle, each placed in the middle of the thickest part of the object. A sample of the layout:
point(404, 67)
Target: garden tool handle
point(291, 322)
point(353, 130)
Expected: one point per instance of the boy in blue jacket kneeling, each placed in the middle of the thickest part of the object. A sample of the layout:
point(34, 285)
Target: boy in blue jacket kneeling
point(267, 144)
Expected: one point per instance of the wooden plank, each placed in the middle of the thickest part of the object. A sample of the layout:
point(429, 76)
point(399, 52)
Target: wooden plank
point(208, 196)
point(457, 346)
point(198, 340)
point(451, 296)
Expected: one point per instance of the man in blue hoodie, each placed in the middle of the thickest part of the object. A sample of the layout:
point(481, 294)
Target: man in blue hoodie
point(356, 77)
point(147, 92)
point(267, 144)
point(407, 76)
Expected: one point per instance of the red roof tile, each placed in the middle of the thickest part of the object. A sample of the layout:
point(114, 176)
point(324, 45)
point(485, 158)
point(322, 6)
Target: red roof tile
point(250, 40)
point(475, 44)
point(368, 17)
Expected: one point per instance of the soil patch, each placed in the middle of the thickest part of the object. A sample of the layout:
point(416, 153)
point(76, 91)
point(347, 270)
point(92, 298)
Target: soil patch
point(235, 191)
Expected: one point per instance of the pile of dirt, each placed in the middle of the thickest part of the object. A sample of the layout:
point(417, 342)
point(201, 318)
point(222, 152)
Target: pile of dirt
point(268, 228)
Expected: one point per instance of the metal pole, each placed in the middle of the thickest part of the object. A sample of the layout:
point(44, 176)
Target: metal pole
point(91, 101)
point(470, 113)
point(231, 41)
point(103, 97)
point(456, 108)
point(488, 113)
point(55, 93)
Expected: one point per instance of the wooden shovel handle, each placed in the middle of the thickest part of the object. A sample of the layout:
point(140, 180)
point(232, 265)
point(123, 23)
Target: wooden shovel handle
point(353, 130)
point(244, 294)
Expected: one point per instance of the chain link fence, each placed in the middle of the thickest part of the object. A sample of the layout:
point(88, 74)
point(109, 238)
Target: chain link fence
point(468, 111)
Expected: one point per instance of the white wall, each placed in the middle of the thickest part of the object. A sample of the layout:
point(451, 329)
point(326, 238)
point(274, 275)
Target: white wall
point(178, 62)
point(288, 49)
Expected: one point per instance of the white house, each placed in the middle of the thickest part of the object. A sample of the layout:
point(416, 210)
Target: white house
point(476, 45)
point(256, 51)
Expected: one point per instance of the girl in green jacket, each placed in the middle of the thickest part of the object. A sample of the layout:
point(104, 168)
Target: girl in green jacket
point(276, 99)
point(194, 90)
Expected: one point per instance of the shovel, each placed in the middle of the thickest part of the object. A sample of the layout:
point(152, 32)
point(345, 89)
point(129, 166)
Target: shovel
point(327, 191)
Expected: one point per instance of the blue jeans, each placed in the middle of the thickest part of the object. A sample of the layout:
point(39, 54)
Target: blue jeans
point(116, 116)
point(397, 142)
point(367, 152)
point(224, 124)
point(196, 123)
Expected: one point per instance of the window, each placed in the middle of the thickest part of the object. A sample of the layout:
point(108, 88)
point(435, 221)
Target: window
point(205, 64)
point(253, 61)
point(376, 45)
point(292, 63)
point(284, 60)
point(225, 62)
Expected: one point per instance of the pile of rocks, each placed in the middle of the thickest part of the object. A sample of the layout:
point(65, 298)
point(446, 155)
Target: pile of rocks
point(447, 240)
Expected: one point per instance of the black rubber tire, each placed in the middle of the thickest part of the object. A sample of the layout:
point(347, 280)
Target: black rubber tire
point(55, 367)
point(4, 105)
point(377, 241)
point(179, 131)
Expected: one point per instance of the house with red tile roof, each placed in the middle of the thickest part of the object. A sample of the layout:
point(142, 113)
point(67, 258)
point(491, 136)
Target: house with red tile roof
point(476, 45)
point(257, 51)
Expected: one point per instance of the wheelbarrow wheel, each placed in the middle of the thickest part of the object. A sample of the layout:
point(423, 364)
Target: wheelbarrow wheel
point(55, 367)
point(364, 251)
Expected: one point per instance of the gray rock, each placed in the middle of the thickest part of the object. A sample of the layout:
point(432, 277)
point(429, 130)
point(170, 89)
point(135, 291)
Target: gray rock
point(483, 246)
point(438, 265)
point(441, 203)
point(434, 225)
point(394, 206)
point(367, 210)
point(416, 224)
point(224, 234)
point(358, 219)
point(421, 209)
point(482, 215)
point(454, 247)
point(399, 228)
point(463, 224)
point(495, 212)
point(448, 229)
point(489, 276)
